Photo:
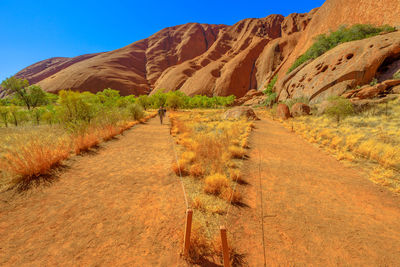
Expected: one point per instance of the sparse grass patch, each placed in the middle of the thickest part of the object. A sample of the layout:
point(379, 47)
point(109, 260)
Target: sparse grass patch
point(367, 136)
point(211, 150)
point(215, 184)
point(33, 156)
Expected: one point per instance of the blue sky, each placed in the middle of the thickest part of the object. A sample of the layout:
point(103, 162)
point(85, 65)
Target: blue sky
point(35, 30)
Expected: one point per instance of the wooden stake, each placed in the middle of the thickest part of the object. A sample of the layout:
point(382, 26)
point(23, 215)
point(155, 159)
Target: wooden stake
point(225, 249)
point(188, 229)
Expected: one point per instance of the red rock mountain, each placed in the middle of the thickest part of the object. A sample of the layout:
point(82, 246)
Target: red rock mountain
point(211, 59)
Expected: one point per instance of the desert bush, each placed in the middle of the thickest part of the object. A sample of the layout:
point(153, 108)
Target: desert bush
point(396, 75)
point(37, 114)
point(200, 246)
point(340, 108)
point(76, 107)
point(231, 196)
point(325, 42)
point(196, 170)
point(180, 167)
point(136, 111)
point(236, 152)
point(214, 184)
point(4, 115)
point(269, 91)
point(84, 141)
point(144, 101)
point(37, 156)
point(174, 101)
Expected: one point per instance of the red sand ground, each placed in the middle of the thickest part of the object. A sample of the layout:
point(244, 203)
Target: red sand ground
point(316, 211)
point(120, 206)
point(123, 206)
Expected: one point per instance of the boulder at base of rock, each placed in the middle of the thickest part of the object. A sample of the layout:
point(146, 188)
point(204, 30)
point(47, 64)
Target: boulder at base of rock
point(238, 112)
point(371, 92)
point(282, 111)
point(300, 109)
point(396, 89)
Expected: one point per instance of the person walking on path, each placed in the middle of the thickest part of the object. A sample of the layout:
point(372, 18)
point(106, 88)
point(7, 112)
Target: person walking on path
point(161, 113)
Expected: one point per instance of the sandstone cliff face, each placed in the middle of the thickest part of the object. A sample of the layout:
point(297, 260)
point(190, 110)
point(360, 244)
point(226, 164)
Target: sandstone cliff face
point(135, 68)
point(223, 60)
point(342, 68)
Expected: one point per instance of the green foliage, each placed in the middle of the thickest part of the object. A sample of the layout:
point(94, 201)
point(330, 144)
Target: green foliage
point(136, 111)
point(339, 108)
point(77, 111)
point(37, 114)
point(269, 91)
point(144, 101)
point(396, 75)
point(174, 101)
point(76, 107)
point(4, 115)
point(31, 96)
point(326, 42)
point(373, 82)
point(269, 88)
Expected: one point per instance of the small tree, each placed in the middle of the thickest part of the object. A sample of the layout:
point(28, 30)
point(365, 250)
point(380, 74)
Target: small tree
point(31, 96)
point(136, 111)
point(37, 97)
point(143, 100)
point(339, 108)
point(18, 88)
point(14, 114)
point(174, 101)
point(4, 115)
point(37, 114)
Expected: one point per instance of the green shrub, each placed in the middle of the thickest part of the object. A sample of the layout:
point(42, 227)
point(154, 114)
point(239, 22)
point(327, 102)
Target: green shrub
point(136, 111)
point(143, 101)
point(269, 91)
point(326, 42)
point(373, 82)
point(4, 115)
point(339, 108)
point(396, 75)
point(174, 101)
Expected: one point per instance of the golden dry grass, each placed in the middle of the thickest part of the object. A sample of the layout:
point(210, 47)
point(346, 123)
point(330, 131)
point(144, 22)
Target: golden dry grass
point(210, 152)
point(215, 184)
point(33, 155)
point(371, 136)
point(29, 152)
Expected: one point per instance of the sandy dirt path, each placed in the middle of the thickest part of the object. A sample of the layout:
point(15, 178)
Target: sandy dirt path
point(121, 205)
point(317, 212)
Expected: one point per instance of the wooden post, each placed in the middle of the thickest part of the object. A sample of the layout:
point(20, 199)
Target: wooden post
point(225, 249)
point(188, 229)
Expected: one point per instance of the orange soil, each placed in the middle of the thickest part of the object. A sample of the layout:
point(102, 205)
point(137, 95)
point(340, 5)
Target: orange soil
point(316, 211)
point(120, 205)
point(123, 206)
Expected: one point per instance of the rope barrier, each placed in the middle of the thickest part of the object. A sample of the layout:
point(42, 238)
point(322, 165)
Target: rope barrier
point(180, 173)
point(231, 196)
point(262, 209)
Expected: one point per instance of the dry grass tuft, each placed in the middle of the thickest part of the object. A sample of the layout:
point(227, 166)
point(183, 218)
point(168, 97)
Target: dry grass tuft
point(27, 161)
point(229, 195)
point(86, 141)
point(180, 167)
point(236, 176)
point(198, 204)
point(236, 152)
point(197, 170)
point(200, 245)
point(215, 184)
